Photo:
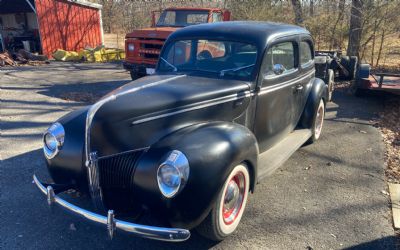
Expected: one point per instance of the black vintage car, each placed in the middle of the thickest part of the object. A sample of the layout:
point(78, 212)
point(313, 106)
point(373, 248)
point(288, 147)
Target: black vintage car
point(229, 103)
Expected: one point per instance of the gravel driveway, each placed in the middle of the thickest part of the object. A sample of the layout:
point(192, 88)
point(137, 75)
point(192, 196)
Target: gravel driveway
point(326, 196)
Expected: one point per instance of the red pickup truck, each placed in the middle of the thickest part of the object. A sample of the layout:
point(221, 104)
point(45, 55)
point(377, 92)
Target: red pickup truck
point(143, 46)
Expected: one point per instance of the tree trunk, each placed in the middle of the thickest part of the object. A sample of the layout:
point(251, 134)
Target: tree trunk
point(297, 12)
point(353, 48)
point(380, 48)
point(311, 7)
point(333, 41)
point(373, 43)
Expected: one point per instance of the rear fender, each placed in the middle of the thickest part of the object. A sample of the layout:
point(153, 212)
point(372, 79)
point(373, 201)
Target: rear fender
point(212, 150)
point(318, 90)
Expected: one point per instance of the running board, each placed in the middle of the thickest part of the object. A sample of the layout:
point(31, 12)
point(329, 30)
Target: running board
point(274, 157)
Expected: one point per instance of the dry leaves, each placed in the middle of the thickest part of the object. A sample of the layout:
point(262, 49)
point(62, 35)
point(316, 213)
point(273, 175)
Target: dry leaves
point(389, 125)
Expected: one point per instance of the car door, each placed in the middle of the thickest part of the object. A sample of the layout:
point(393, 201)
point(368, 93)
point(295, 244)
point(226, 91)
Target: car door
point(279, 85)
point(307, 74)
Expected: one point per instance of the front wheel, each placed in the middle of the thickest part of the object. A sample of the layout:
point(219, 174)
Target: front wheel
point(318, 122)
point(135, 75)
point(227, 211)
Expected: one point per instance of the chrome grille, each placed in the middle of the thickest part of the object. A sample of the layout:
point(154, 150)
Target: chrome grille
point(116, 180)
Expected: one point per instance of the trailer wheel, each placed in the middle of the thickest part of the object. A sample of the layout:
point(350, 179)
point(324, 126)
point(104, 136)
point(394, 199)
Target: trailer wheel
point(363, 71)
point(330, 81)
point(355, 90)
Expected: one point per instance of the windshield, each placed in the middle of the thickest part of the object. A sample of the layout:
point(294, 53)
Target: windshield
point(182, 18)
point(228, 59)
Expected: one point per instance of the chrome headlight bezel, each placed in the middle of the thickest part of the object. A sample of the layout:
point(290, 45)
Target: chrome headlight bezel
point(176, 161)
point(57, 132)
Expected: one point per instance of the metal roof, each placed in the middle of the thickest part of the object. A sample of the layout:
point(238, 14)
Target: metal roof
point(86, 3)
point(258, 33)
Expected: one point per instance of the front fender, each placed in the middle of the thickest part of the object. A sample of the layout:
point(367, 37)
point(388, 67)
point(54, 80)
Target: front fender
point(318, 90)
point(212, 149)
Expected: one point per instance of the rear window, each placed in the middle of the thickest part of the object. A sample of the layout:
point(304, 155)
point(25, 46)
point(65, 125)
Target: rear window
point(182, 18)
point(305, 53)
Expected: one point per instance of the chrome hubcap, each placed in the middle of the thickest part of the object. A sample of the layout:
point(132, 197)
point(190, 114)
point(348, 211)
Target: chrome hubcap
point(233, 198)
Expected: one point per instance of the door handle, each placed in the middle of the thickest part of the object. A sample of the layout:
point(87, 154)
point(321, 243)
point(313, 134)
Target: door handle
point(238, 102)
point(298, 88)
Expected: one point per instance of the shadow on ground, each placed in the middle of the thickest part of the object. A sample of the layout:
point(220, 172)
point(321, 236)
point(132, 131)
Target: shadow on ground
point(33, 222)
point(391, 242)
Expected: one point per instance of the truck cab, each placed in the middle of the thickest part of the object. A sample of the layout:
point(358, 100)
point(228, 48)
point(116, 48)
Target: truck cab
point(143, 46)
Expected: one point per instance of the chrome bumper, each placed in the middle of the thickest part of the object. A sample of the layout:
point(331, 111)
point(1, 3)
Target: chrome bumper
point(156, 233)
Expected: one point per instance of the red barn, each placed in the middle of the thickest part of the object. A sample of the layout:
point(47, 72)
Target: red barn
point(47, 25)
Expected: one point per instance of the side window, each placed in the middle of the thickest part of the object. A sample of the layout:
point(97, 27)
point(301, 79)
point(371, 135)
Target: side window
point(179, 53)
point(280, 59)
point(196, 18)
point(170, 17)
point(216, 17)
point(305, 53)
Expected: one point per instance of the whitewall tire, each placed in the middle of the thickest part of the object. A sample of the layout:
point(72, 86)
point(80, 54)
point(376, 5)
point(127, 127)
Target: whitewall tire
point(228, 210)
point(318, 122)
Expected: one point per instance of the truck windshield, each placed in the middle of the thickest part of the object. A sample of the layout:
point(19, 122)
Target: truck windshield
point(228, 59)
point(182, 18)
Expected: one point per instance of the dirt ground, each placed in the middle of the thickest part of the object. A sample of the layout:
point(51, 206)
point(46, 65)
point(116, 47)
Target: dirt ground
point(329, 195)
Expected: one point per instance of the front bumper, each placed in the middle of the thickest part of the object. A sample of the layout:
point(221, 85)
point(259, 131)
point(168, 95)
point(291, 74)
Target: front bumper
point(139, 68)
point(151, 232)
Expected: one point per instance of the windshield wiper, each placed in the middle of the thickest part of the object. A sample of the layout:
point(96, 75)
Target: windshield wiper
point(222, 72)
point(169, 64)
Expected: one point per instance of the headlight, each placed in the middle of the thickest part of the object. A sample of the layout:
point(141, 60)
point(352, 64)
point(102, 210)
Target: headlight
point(53, 140)
point(131, 47)
point(173, 174)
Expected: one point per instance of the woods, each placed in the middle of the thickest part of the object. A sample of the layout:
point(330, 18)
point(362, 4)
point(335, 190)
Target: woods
point(369, 29)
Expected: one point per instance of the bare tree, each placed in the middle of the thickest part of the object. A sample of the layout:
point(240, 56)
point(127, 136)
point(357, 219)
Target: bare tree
point(297, 12)
point(356, 20)
point(311, 7)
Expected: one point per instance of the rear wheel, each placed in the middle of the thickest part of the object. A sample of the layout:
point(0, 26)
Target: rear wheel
point(227, 211)
point(318, 122)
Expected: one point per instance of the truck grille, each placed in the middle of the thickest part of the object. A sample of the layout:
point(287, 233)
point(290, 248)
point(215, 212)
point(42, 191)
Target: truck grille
point(116, 180)
point(150, 49)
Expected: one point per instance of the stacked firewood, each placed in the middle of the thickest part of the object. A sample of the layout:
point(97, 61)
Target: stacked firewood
point(22, 57)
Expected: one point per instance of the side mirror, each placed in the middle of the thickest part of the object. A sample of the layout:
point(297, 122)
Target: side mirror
point(278, 69)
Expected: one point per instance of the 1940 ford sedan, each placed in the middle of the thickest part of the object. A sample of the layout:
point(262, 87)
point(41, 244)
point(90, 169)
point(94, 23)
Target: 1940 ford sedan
point(228, 104)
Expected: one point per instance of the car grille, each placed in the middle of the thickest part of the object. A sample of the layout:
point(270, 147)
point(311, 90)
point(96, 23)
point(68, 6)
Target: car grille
point(116, 180)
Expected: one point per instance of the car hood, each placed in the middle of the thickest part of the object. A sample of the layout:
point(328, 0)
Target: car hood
point(153, 95)
point(141, 112)
point(156, 33)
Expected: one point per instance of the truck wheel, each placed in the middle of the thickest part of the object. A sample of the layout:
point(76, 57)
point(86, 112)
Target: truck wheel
point(331, 83)
point(227, 211)
point(318, 122)
point(135, 75)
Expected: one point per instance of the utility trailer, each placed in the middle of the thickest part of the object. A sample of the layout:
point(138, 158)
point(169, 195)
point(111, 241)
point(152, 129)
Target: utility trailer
point(384, 82)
